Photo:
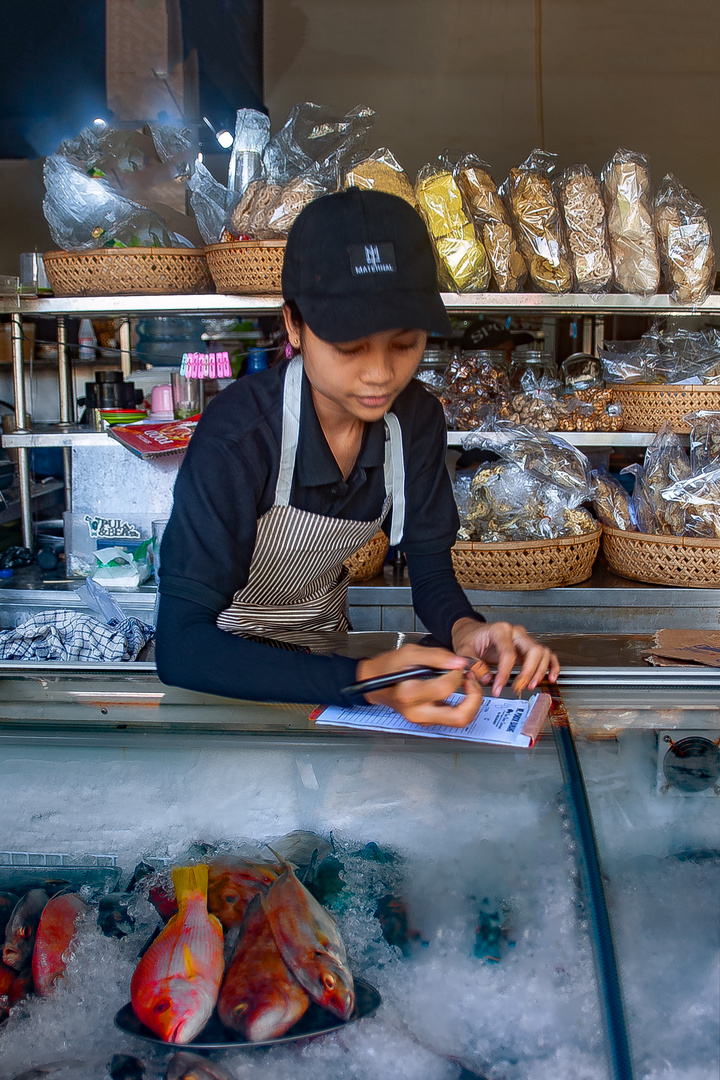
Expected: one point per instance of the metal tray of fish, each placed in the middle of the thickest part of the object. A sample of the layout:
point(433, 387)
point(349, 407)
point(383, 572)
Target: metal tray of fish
point(214, 1036)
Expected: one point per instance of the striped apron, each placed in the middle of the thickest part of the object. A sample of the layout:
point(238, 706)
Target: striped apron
point(297, 582)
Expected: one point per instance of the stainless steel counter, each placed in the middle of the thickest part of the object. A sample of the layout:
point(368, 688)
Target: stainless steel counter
point(605, 603)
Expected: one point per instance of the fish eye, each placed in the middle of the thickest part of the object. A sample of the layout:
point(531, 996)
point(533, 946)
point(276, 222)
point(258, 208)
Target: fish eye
point(241, 1008)
point(230, 899)
point(25, 931)
point(329, 981)
point(161, 1006)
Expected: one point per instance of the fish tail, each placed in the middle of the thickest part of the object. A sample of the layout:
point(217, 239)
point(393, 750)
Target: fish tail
point(189, 879)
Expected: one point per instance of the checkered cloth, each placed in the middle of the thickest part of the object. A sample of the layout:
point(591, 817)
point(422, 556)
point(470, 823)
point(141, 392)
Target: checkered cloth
point(68, 635)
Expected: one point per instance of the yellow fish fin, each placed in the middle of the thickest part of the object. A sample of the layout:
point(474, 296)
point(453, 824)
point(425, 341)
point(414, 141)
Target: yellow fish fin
point(189, 879)
point(190, 967)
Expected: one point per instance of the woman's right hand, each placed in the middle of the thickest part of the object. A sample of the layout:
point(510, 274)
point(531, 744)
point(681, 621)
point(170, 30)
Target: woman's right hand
point(422, 701)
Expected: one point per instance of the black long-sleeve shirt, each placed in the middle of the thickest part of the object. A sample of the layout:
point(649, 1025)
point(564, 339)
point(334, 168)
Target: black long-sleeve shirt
point(227, 482)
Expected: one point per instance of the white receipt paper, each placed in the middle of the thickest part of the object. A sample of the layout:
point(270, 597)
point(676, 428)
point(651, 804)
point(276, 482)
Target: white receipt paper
point(502, 721)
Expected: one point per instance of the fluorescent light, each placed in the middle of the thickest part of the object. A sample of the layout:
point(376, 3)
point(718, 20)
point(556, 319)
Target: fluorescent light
point(224, 138)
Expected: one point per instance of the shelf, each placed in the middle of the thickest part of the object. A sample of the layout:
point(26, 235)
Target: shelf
point(46, 435)
point(219, 304)
point(42, 496)
point(582, 438)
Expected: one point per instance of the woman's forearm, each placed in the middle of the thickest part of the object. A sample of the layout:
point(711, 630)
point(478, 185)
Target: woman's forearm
point(191, 652)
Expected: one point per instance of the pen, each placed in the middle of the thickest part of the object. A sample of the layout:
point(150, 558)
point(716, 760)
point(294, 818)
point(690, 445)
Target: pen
point(381, 682)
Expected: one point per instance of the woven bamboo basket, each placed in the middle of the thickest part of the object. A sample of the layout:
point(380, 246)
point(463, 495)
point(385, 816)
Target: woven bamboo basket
point(368, 561)
point(248, 267)
point(646, 407)
point(128, 271)
point(520, 564)
point(663, 560)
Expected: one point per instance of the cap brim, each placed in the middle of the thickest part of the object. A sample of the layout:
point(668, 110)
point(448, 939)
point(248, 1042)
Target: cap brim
point(348, 318)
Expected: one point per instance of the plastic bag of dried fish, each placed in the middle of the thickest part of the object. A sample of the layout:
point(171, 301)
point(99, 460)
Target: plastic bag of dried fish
point(631, 225)
point(548, 457)
point(697, 500)
point(541, 402)
point(583, 210)
point(528, 191)
point(463, 264)
point(704, 439)
point(492, 223)
point(686, 244)
point(640, 503)
point(611, 502)
point(508, 503)
point(666, 463)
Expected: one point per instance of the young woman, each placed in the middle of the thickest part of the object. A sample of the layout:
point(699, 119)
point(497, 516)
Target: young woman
point(293, 469)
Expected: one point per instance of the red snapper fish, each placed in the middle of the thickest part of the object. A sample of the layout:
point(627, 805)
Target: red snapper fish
point(55, 931)
point(260, 999)
point(22, 927)
point(177, 982)
point(232, 883)
point(309, 943)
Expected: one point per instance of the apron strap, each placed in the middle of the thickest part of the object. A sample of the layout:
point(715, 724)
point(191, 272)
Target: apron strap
point(394, 465)
point(292, 397)
point(395, 476)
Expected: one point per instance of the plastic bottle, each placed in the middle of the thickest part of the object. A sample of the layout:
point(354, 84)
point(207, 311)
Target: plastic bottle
point(257, 360)
point(87, 341)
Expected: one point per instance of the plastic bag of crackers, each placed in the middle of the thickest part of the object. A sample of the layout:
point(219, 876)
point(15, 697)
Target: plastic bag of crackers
point(687, 251)
point(380, 171)
point(583, 210)
point(528, 191)
point(463, 264)
point(492, 223)
point(631, 224)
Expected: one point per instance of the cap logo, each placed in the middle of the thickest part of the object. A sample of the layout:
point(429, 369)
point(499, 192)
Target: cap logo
point(372, 259)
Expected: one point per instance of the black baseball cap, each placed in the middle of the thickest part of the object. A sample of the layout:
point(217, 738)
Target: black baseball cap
point(360, 262)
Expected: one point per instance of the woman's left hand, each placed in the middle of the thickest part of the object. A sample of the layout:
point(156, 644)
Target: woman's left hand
point(504, 645)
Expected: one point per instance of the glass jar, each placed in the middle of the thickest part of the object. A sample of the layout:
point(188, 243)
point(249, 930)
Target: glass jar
point(432, 368)
point(538, 361)
point(581, 371)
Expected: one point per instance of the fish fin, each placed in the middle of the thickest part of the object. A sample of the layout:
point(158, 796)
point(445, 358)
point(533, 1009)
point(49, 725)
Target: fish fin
point(190, 967)
point(216, 923)
point(283, 862)
point(189, 879)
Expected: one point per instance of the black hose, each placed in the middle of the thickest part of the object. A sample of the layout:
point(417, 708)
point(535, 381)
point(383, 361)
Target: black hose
point(595, 894)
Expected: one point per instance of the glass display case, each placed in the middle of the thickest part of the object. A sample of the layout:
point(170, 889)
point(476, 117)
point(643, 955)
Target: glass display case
point(461, 896)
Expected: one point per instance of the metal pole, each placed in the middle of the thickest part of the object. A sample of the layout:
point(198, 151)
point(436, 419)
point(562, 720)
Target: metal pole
point(599, 332)
point(23, 463)
point(67, 404)
point(64, 375)
point(587, 334)
point(125, 353)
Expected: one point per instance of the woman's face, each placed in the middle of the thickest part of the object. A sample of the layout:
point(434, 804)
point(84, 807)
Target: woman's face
point(360, 378)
